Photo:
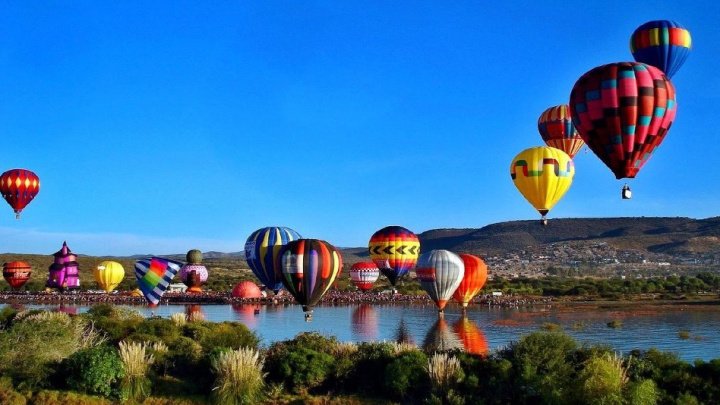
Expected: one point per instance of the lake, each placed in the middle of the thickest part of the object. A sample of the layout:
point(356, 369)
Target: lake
point(483, 328)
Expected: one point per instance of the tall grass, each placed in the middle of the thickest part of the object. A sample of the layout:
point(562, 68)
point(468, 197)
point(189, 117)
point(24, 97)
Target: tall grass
point(444, 371)
point(403, 347)
point(240, 379)
point(179, 319)
point(136, 361)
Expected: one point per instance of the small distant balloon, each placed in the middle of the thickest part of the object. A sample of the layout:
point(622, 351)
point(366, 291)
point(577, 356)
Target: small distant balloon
point(395, 251)
point(557, 130)
point(16, 273)
point(109, 275)
point(19, 187)
point(364, 275)
point(246, 289)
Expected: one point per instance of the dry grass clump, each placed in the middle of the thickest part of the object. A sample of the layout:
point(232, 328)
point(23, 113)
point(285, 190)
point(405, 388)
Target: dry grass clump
point(240, 379)
point(46, 316)
point(444, 371)
point(179, 319)
point(196, 316)
point(403, 347)
point(136, 362)
point(344, 349)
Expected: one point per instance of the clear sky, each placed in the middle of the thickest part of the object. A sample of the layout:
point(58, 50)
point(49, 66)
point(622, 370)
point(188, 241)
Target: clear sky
point(157, 127)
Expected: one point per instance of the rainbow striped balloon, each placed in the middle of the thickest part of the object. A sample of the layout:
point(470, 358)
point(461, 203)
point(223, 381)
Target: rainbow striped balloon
point(154, 275)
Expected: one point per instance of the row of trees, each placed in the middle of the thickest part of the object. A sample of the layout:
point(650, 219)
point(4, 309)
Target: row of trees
point(115, 355)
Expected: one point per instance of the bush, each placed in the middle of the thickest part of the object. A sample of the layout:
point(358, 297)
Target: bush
point(66, 398)
point(601, 380)
point(8, 395)
point(33, 347)
point(542, 364)
point(184, 355)
point(231, 335)
point(642, 392)
point(372, 359)
point(405, 375)
point(301, 369)
point(96, 370)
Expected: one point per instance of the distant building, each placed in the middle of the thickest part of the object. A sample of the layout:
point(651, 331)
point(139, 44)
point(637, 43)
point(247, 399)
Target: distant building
point(497, 293)
point(177, 288)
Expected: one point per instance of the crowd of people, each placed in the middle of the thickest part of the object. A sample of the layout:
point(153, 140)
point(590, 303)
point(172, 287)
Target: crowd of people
point(332, 297)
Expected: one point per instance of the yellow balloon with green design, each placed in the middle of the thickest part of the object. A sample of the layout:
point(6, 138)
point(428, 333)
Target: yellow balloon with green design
point(542, 175)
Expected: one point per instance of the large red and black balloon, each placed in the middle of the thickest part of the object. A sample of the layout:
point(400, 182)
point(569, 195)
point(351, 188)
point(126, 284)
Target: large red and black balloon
point(623, 111)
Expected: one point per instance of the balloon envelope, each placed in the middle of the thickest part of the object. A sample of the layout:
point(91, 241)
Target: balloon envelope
point(473, 279)
point(246, 289)
point(154, 275)
point(109, 274)
point(364, 275)
point(16, 273)
point(661, 43)
point(308, 268)
point(18, 188)
point(440, 273)
point(193, 276)
point(395, 251)
point(623, 111)
point(542, 175)
point(261, 252)
point(557, 130)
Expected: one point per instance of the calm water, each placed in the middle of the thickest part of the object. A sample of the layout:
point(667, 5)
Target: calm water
point(483, 328)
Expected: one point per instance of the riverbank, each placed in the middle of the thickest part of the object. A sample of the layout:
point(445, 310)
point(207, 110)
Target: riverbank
point(209, 298)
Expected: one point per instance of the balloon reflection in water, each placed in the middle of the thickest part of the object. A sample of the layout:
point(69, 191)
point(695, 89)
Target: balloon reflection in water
point(247, 313)
point(194, 312)
point(403, 334)
point(70, 310)
point(471, 336)
point(365, 322)
point(441, 338)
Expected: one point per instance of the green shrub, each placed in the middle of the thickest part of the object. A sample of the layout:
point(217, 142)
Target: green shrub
point(232, 335)
point(47, 397)
point(372, 359)
point(184, 355)
point(97, 370)
point(33, 347)
point(601, 380)
point(542, 363)
point(405, 375)
point(164, 329)
point(8, 395)
point(642, 392)
point(7, 314)
point(300, 369)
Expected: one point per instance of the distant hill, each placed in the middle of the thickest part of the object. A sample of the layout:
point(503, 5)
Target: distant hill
point(657, 235)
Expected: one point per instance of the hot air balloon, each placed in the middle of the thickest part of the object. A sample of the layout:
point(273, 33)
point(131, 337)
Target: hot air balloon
point(16, 273)
point(109, 274)
point(472, 338)
point(64, 272)
point(18, 187)
point(473, 279)
point(194, 274)
point(623, 111)
point(154, 275)
point(261, 252)
point(542, 175)
point(558, 131)
point(246, 289)
point(440, 273)
point(364, 275)
point(308, 268)
point(663, 44)
point(394, 250)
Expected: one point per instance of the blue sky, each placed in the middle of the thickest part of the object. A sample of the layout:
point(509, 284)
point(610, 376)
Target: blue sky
point(157, 127)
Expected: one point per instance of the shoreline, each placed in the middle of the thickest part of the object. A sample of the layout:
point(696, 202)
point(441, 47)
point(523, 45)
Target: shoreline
point(337, 298)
